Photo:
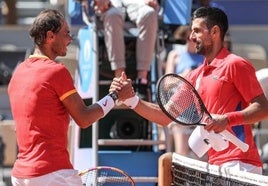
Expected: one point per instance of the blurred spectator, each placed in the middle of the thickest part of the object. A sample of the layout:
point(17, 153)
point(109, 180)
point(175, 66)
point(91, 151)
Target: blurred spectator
point(144, 15)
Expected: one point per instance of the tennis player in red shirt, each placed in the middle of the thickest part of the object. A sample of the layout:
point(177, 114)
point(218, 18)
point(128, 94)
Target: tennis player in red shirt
point(228, 87)
point(43, 97)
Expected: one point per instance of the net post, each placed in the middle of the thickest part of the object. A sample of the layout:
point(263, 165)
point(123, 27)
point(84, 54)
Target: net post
point(164, 169)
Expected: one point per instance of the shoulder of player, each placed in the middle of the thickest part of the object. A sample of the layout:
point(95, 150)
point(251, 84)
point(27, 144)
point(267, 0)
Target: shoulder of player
point(235, 60)
point(56, 65)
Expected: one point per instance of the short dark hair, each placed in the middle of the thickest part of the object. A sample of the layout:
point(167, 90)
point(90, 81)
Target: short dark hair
point(213, 16)
point(47, 20)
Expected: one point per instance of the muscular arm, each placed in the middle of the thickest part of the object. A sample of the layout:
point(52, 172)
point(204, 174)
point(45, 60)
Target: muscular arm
point(256, 111)
point(83, 115)
point(152, 112)
point(149, 111)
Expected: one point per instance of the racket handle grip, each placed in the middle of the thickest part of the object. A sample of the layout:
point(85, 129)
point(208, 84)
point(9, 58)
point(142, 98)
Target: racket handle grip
point(236, 141)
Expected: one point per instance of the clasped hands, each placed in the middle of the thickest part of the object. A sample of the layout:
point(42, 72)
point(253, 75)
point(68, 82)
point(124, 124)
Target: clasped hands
point(123, 87)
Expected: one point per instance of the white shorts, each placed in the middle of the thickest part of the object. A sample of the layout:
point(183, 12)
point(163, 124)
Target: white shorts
point(65, 177)
point(241, 166)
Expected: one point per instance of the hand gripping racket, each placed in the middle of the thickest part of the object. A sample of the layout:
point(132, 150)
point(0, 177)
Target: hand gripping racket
point(179, 100)
point(105, 176)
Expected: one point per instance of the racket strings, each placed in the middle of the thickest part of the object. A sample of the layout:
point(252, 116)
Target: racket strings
point(105, 177)
point(179, 100)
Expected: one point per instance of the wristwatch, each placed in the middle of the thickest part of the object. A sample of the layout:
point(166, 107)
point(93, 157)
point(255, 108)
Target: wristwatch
point(113, 95)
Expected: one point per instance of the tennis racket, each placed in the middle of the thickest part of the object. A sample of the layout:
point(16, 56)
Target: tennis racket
point(105, 176)
point(179, 100)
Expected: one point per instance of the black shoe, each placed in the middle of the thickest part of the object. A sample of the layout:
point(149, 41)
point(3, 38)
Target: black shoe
point(142, 90)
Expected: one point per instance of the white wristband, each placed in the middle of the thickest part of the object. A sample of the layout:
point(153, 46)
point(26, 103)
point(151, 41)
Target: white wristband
point(106, 103)
point(132, 102)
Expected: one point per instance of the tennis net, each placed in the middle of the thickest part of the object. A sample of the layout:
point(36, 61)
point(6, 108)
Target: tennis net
point(190, 172)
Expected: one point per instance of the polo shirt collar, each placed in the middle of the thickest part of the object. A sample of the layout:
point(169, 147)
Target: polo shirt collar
point(218, 59)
